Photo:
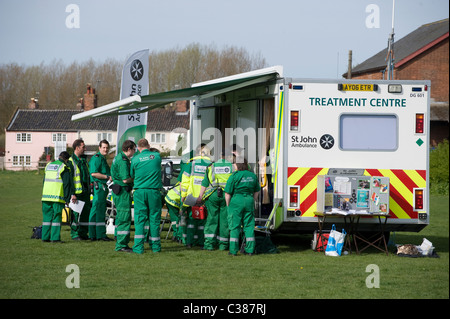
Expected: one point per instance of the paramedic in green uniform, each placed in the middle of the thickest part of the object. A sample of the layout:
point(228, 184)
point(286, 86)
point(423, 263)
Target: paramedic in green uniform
point(81, 182)
point(173, 203)
point(193, 175)
point(56, 193)
point(123, 184)
point(100, 175)
point(241, 192)
point(213, 184)
point(183, 210)
point(146, 171)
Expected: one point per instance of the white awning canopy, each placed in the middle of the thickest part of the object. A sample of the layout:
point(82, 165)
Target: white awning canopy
point(140, 104)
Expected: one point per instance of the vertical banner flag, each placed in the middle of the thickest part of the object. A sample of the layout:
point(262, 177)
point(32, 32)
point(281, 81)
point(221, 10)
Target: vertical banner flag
point(134, 81)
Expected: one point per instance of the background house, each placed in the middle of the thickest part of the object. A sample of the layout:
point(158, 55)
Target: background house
point(31, 131)
point(165, 126)
point(421, 55)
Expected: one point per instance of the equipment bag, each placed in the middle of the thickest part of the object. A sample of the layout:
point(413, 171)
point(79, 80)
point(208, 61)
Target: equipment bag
point(65, 218)
point(37, 232)
point(335, 242)
point(264, 245)
point(110, 227)
point(319, 242)
point(199, 212)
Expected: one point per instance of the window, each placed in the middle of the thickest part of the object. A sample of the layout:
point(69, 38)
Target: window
point(359, 132)
point(23, 138)
point(104, 136)
point(59, 137)
point(21, 160)
point(158, 138)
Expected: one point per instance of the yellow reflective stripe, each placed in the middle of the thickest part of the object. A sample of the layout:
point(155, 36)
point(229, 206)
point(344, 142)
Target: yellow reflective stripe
point(416, 178)
point(307, 190)
point(296, 175)
point(397, 184)
point(280, 123)
point(397, 209)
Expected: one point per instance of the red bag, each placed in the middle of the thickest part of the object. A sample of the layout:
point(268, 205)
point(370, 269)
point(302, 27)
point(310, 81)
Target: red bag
point(199, 212)
point(319, 243)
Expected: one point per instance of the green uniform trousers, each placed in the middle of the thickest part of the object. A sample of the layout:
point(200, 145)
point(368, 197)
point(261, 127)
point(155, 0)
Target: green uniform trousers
point(51, 225)
point(216, 226)
point(97, 216)
point(174, 219)
point(241, 213)
point(147, 208)
point(182, 228)
point(82, 220)
point(122, 202)
point(195, 228)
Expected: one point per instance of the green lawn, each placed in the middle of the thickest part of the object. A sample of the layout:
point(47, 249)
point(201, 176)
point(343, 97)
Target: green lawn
point(33, 269)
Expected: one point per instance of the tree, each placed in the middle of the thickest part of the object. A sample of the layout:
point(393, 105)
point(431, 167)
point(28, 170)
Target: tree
point(60, 86)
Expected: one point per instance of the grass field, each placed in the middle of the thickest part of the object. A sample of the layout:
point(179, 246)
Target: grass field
point(33, 269)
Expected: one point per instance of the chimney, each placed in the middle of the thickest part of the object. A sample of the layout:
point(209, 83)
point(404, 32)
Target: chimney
point(90, 98)
point(33, 105)
point(80, 104)
point(181, 106)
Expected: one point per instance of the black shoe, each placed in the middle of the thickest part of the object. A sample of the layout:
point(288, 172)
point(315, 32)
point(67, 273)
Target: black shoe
point(189, 246)
point(56, 241)
point(106, 239)
point(249, 254)
point(93, 239)
point(126, 250)
point(230, 254)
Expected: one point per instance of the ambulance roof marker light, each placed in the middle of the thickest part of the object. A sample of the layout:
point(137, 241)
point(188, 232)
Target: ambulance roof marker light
point(395, 88)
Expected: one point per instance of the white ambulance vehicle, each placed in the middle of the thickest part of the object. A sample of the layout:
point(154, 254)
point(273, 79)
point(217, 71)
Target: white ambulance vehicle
point(322, 145)
point(316, 145)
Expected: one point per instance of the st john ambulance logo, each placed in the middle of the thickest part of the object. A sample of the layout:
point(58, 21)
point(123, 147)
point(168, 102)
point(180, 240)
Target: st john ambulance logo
point(136, 70)
point(327, 141)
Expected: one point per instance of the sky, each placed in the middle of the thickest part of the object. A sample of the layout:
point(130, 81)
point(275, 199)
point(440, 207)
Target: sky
point(310, 39)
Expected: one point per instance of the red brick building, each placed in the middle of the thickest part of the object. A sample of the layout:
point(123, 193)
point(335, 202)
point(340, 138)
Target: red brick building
point(421, 55)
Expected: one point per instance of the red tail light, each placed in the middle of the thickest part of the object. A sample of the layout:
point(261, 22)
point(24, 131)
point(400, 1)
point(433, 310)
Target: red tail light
point(420, 121)
point(293, 196)
point(294, 120)
point(418, 199)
